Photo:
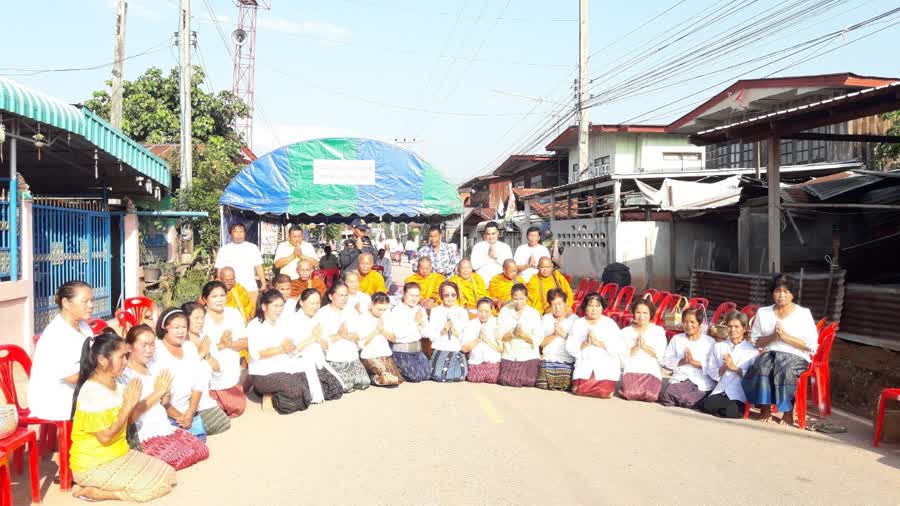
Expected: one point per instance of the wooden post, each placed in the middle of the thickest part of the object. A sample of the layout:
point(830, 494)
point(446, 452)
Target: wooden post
point(773, 181)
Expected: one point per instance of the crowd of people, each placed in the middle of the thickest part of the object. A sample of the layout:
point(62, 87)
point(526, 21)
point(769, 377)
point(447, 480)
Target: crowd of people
point(143, 405)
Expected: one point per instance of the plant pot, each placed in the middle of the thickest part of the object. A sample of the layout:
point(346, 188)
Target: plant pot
point(151, 274)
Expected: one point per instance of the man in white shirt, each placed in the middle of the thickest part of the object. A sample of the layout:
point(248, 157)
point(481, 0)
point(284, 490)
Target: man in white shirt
point(411, 247)
point(290, 252)
point(245, 258)
point(528, 255)
point(489, 254)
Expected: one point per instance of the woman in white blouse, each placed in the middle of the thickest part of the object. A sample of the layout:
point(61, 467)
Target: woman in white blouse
point(596, 345)
point(482, 342)
point(686, 356)
point(343, 344)
point(521, 332)
point(727, 364)
point(155, 435)
point(645, 344)
point(444, 330)
point(555, 372)
point(227, 332)
point(374, 341)
point(55, 362)
point(358, 302)
point(309, 356)
point(406, 321)
point(786, 334)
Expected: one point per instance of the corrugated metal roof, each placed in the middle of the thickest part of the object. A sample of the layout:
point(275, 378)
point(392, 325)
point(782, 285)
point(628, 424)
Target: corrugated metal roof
point(119, 145)
point(833, 187)
point(33, 104)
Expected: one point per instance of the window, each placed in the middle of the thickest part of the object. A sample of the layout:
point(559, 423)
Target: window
point(519, 184)
point(787, 152)
point(748, 158)
point(536, 181)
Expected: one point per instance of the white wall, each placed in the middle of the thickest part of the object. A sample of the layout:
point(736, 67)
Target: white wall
point(645, 247)
point(634, 152)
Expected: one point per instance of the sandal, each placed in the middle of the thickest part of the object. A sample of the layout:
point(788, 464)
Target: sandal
point(828, 428)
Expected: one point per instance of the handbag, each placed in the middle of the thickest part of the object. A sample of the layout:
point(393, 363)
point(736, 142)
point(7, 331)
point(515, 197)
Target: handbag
point(672, 317)
point(9, 420)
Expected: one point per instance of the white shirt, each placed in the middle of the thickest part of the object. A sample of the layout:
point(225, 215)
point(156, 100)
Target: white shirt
point(299, 328)
point(288, 312)
point(441, 340)
point(799, 324)
point(743, 356)
point(530, 321)
point(262, 336)
point(700, 350)
point(189, 375)
point(229, 360)
point(642, 362)
point(604, 364)
point(401, 321)
point(379, 345)
point(286, 249)
point(154, 422)
point(56, 356)
point(482, 353)
point(524, 255)
point(484, 265)
point(556, 350)
point(243, 258)
point(363, 300)
point(411, 246)
point(341, 350)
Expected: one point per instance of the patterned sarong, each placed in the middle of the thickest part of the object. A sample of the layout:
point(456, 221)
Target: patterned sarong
point(352, 374)
point(601, 389)
point(383, 371)
point(232, 400)
point(414, 366)
point(554, 375)
point(215, 421)
point(138, 477)
point(518, 373)
point(640, 387)
point(179, 450)
point(772, 379)
point(486, 372)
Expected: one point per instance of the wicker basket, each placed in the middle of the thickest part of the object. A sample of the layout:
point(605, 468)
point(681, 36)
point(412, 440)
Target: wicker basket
point(9, 420)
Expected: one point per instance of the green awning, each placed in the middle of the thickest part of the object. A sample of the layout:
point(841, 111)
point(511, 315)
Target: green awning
point(33, 104)
point(114, 142)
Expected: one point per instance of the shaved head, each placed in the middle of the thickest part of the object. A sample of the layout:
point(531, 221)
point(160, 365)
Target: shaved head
point(510, 269)
point(364, 263)
point(226, 276)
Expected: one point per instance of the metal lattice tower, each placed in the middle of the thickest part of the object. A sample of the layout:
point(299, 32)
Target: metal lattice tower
point(245, 63)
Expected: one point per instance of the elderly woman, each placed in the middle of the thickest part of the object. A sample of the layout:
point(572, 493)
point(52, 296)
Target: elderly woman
point(595, 344)
point(727, 364)
point(786, 334)
point(405, 323)
point(444, 330)
point(521, 332)
point(375, 348)
point(555, 372)
point(343, 344)
point(358, 301)
point(645, 344)
point(686, 356)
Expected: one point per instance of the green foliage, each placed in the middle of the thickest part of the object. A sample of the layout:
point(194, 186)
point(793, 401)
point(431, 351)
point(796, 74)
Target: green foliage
point(333, 232)
point(189, 286)
point(888, 155)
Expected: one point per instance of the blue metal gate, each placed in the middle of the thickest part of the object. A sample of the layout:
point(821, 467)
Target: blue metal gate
point(70, 244)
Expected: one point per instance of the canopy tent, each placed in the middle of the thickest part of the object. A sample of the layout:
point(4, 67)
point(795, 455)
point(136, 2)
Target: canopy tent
point(338, 179)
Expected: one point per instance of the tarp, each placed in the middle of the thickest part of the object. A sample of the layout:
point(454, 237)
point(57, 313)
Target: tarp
point(343, 178)
point(675, 195)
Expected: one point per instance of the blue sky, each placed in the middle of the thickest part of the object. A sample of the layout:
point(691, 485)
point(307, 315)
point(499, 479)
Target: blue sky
point(461, 75)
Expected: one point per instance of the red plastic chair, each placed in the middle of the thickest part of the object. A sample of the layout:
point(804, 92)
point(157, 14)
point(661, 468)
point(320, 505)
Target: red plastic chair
point(378, 268)
point(50, 430)
point(5, 480)
point(651, 292)
point(136, 306)
point(327, 275)
point(568, 278)
point(586, 286)
point(888, 394)
point(15, 444)
point(608, 292)
point(698, 302)
point(750, 310)
point(126, 320)
point(622, 303)
point(667, 303)
point(820, 325)
point(97, 325)
point(658, 297)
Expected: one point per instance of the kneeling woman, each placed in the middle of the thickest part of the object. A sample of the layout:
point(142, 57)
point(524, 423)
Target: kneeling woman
point(445, 326)
point(101, 462)
point(521, 333)
point(727, 364)
point(271, 369)
point(645, 344)
point(343, 345)
point(375, 354)
point(482, 342)
point(225, 328)
point(406, 322)
point(555, 372)
point(686, 356)
point(309, 357)
point(596, 345)
point(156, 436)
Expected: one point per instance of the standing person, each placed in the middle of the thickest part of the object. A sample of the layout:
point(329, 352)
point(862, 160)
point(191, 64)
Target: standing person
point(528, 255)
point(361, 244)
point(410, 247)
point(645, 344)
point(686, 356)
point(443, 256)
point(544, 280)
point(444, 330)
point(329, 260)
point(309, 357)
point(370, 280)
point(471, 286)
point(595, 343)
point(343, 344)
point(521, 333)
point(786, 334)
point(500, 287)
point(555, 372)
point(290, 252)
point(429, 283)
point(405, 323)
point(57, 355)
point(375, 349)
point(157, 437)
point(305, 279)
point(228, 336)
point(102, 464)
point(482, 342)
point(489, 254)
point(730, 361)
point(384, 260)
point(237, 296)
point(245, 258)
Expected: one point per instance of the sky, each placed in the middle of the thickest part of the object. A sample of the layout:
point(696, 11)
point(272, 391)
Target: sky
point(472, 81)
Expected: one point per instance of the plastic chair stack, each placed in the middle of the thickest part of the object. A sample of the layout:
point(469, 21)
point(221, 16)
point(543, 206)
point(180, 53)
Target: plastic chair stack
point(621, 306)
point(16, 444)
point(888, 394)
point(136, 306)
point(126, 320)
point(586, 286)
point(97, 325)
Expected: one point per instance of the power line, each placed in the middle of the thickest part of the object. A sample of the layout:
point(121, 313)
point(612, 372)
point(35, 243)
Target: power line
point(395, 8)
point(24, 72)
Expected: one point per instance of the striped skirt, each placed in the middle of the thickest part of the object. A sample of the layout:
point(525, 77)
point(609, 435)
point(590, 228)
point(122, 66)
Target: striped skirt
point(601, 389)
point(352, 374)
point(772, 379)
point(232, 400)
point(215, 421)
point(554, 375)
point(684, 394)
point(640, 387)
point(485, 372)
point(383, 371)
point(179, 450)
point(514, 373)
point(414, 366)
point(136, 476)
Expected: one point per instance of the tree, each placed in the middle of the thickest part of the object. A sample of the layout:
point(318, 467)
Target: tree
point(888, 155)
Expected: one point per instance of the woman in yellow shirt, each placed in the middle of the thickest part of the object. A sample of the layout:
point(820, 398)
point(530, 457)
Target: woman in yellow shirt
point(102, 464)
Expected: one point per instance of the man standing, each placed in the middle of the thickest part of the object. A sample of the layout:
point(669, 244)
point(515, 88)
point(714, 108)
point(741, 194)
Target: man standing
point(527, 255)
point(489, 254)
point(245, 258)
point(306, 280)
point(290, 252)
point(410, 248)
point(542, 282)
point(370, 280)
point(361, 242)
point(238, 297)
point(444, 257)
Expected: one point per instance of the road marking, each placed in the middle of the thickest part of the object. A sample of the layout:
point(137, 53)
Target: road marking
point(489, 410)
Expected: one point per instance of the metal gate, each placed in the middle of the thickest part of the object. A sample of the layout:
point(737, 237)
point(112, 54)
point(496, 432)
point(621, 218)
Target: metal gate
point(70, 244)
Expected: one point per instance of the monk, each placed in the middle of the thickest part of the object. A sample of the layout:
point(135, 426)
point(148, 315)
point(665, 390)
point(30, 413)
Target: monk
point(370, 281)
point(238, 297)
point(429, 282)
point(501, 285)
point(546, 279)
point(306, 280)
point(471, 286)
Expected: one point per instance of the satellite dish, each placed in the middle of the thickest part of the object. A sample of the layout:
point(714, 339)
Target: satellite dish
point(239, 37)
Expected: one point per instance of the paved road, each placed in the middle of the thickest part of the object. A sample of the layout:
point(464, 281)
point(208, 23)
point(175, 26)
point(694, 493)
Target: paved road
point(483, 444)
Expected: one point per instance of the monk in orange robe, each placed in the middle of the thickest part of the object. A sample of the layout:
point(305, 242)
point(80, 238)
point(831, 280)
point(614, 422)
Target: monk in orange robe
point(471, 286)
point(306, 280)
point(429, 282)
point(370, 280)
point(238, 297)
point(501, 285)
point(546, 279)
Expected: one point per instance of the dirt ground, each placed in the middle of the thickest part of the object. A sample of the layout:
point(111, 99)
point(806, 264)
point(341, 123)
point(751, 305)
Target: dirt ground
point(859, 373)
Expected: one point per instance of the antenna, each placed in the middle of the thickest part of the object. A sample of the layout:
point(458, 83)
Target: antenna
point(245, 62)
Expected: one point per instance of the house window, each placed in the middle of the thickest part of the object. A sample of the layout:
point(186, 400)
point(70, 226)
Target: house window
point(519, 184)
point(747, 157)
point(536, 181)
point(787, 152)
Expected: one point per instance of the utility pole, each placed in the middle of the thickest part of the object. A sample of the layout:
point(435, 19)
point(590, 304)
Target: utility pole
point(584, 122)
point(115, 101)
point(184, 44)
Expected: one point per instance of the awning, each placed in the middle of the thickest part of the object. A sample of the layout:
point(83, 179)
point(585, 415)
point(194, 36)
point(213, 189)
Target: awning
point(33, 104)
point(114, 142)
